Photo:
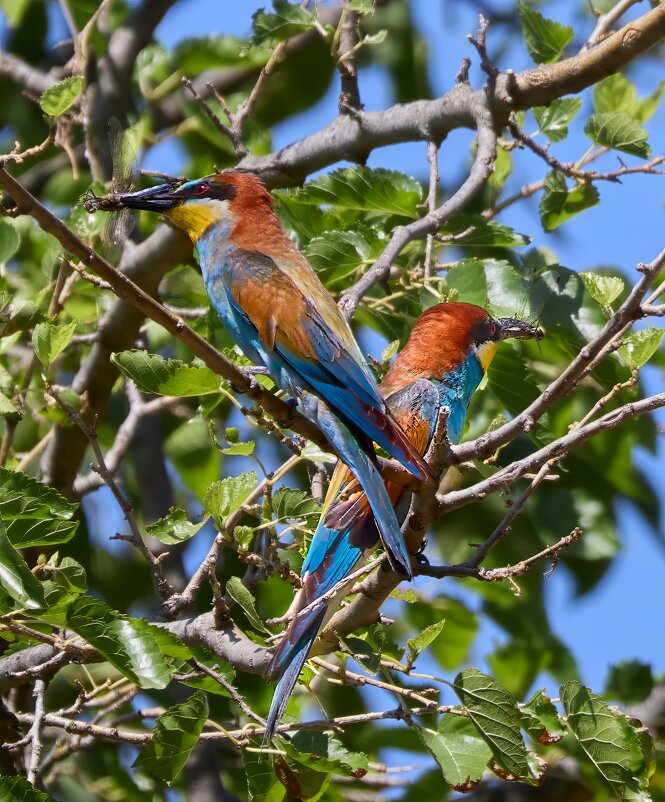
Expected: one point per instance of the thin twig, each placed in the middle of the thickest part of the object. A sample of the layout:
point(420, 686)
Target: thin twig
point(36, 745)
point(161, 584)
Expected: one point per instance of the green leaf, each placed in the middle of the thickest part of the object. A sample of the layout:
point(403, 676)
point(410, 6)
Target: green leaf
point(422, 640)
point(648, 105)
point(606, 737)
point(18, 789)
point(175, 527)
point(16, 579)
point(262, 784)
point(14, 11)
point(154, 374)
point(640, 346)
point(335, 255)
point(34, 513)
point(228, 495)
point(50, 340)
point(67, 581)
point(618, 130)
point(559, 204)
point(553, 120)
point(289, 504)
point(58, 98)
point(365, 189)
point(603, 289)
point(8, 408)
point(242, 596)
point(494, 713)
point(285, 21)
point(324, 753)
point(629, 681)
point(9, 240)
point(126, 643)
point(545, 39)
point(615, 93)
point(541, 720)
point(482, 232)
point(174, 735)
point(458, 749)
point(237, 447)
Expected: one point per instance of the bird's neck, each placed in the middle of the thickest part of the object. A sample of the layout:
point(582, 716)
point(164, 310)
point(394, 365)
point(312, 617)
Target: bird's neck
point(456, 389)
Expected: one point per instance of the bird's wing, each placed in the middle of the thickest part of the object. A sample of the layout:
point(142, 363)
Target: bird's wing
point(289, 322)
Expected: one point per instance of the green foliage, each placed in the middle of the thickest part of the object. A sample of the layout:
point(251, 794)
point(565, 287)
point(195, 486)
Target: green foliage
point(18, 789)
point(34, 513)
point(154, 374)
point(559, 203)
point(286, 20)
point(610, 741)
point(174, 735)
point(50, 340)
point(553, 120)
point(495, 716)
point(174, 528)
point(60, 97)
point(459, 750)
point(16, 579)
point(243, 596)
point(128, 644)
point(545, 39)
point(629, 682)
point(618, 130)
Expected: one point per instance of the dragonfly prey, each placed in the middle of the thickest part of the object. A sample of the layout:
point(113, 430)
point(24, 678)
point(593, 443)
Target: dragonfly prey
point(119, 225)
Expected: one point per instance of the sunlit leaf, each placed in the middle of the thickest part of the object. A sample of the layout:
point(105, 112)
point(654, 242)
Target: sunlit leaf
point(639, 346)
point(553, 120)
point(606, 737)
point(174, 528)
point(125, 644)
point(494, 713)
point(365, 188)
point(558, 203)
point(59, 98)
point(49, 340)
point(545, 39)
point(286, 20)
point(618, 130)
point(458, 749)
point(228, 495)
point(154, 374)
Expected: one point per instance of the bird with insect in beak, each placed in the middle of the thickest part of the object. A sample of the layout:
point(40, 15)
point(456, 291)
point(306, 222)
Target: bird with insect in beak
point(437, 372)
point(277, 310)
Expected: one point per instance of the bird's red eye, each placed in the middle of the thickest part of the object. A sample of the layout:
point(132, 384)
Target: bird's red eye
point(492, 329)
point(201, 189)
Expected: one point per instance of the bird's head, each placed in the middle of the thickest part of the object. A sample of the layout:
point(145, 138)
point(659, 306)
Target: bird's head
point(446, 334)
point(218, 199)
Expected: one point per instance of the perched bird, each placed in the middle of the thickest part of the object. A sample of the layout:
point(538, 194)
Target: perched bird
point(276, 309)
point(439, 369)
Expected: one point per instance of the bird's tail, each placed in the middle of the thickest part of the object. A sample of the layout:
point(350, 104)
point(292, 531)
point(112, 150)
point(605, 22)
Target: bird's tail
point(357, 452)
point(289, 659)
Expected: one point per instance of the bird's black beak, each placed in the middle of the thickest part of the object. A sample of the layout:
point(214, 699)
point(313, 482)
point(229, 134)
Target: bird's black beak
point(159, 198)
point(512, 327)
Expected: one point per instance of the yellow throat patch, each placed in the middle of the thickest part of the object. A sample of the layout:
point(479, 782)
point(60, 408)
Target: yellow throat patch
point(194, 218)
point(486, 353)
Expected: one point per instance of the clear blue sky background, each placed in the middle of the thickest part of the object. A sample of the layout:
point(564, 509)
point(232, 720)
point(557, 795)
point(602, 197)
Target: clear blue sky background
point(616, 621)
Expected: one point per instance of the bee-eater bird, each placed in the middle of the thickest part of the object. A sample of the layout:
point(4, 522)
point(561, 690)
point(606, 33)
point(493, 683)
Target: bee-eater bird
point(280, 314)
point(438, 370)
